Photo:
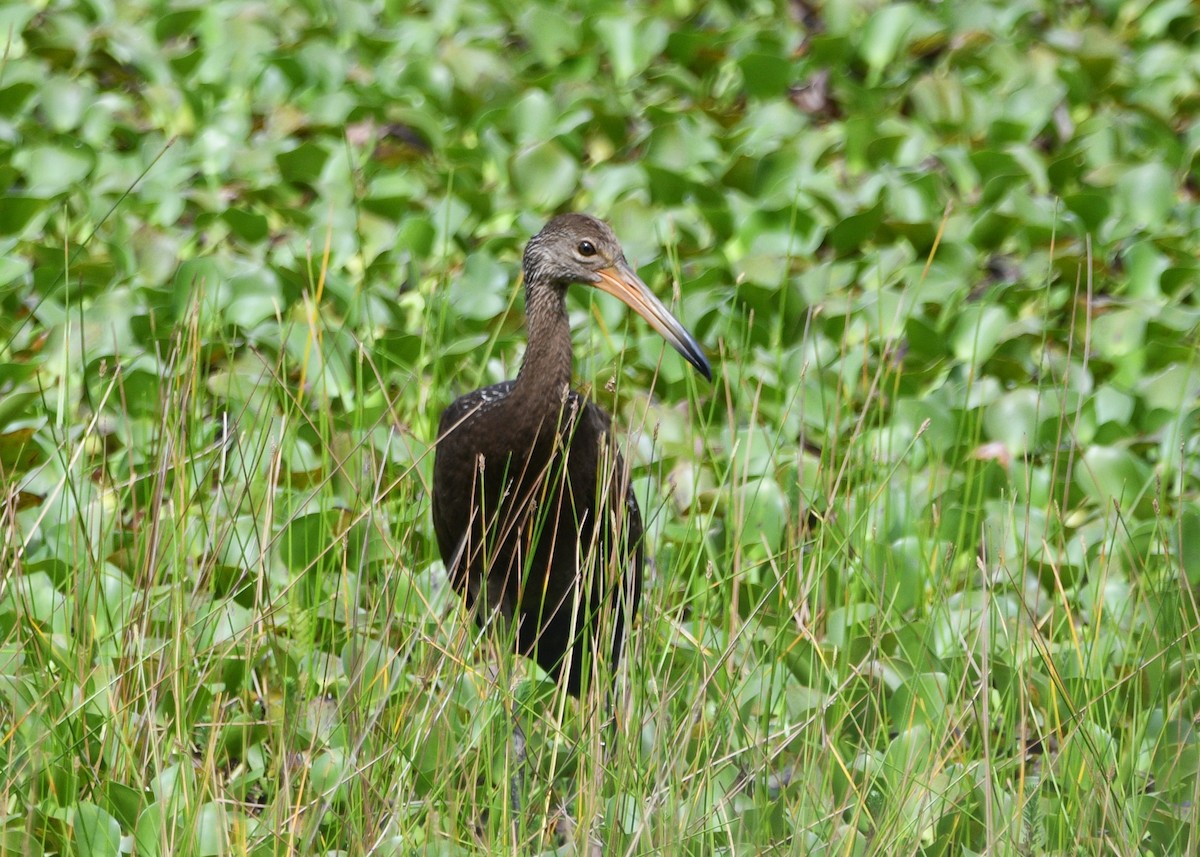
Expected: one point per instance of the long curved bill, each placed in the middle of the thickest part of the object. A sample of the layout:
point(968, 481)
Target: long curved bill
point(621, 281)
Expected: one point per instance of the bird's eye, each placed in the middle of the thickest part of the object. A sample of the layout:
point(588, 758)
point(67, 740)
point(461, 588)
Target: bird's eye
point(587, 248)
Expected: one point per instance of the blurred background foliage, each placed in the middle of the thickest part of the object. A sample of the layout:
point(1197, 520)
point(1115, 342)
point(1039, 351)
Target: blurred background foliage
point(927, 551)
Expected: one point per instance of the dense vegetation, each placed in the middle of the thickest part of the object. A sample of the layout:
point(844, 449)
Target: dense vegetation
point(926, 554)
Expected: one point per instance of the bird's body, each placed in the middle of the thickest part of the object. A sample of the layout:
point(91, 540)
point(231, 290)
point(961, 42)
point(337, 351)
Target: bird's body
point(560, 503)
point(531, 500)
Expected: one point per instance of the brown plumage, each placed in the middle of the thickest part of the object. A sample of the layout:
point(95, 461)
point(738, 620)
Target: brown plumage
point(531, 499)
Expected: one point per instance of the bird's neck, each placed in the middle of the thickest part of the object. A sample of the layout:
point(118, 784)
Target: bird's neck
point(545, 378)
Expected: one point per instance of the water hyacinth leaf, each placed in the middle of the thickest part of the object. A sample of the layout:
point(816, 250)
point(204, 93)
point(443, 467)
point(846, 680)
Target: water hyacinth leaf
point(979, 330)
point(886, 32)
point(1119, 333)
point(1170, 389)
point(551, 33)
point(19, 212)
point(631, 43)
point(1189, 542)
point(942, 257)
point(923, 699)
point(14, 96)
point(52, 169)
point(302, 164)
point(481, 290)
point(766, 74)
point(96, 833)
point(1013, 420)
point(544, 174)
point(1147, 193)
point(248, 225)
point(853, 232)
point(1111, 475)
point(767, 514)
point(304, 540)
point(1113, 406)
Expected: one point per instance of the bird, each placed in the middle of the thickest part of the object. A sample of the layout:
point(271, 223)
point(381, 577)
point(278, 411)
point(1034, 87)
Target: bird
point(533, 512)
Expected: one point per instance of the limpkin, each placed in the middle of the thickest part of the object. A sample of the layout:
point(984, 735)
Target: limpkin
point(531, 500)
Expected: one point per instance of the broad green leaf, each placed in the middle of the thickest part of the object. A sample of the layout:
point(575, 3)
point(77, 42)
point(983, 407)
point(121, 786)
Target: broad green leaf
point(303, 163)
point(482, 290)
point(979, 330)
point(18, 212)
point(545, 175)
point(1014, 418)
point(96, 833)
point(886, 30)
point(1109, 475)
point(247, 225)
point(631, 42)
point(924, 698)
point(1189, 542)
point(52, 169)
point(551, 33)
point(1147, 193)
point(212, 830)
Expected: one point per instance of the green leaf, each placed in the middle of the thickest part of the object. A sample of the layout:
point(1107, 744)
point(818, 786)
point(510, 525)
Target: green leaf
point(123, 802)
point(1091, 208)
point(922, 699)
point(551, 34)
point(1147, 193)
point(1113, 406)
point(303, 164)
point(18, 212)
point(52, 169)
point(14, 96)
point(886, 30)
point(1189, 543)
point(1013, 420)
point(979, 330)
point(631, 42)
point(303, 541)
point(96, 833)
point(1109, 475)
point(857, 230)
point(247, 225)
point(545, 175)
point(212, 830)
point(1146, 267)
point(766, 75)
point(482, 290)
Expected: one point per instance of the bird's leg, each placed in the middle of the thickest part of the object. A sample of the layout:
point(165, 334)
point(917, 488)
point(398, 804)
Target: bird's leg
point(500, 623)
point(516, 783)
point(504, 624)
point(516, 779)
point(517, 744)
point(611, 726)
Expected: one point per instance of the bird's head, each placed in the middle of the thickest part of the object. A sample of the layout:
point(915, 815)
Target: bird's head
point(578, 248)
point(572, 248)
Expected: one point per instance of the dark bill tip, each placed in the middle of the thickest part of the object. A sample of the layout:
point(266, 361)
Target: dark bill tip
point(621, 281)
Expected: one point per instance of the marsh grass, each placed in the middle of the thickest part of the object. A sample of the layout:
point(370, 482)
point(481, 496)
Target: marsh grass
point(922, 560)
point(229, 632)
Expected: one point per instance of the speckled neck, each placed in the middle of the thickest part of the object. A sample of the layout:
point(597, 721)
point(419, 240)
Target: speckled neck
point(545, 377)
